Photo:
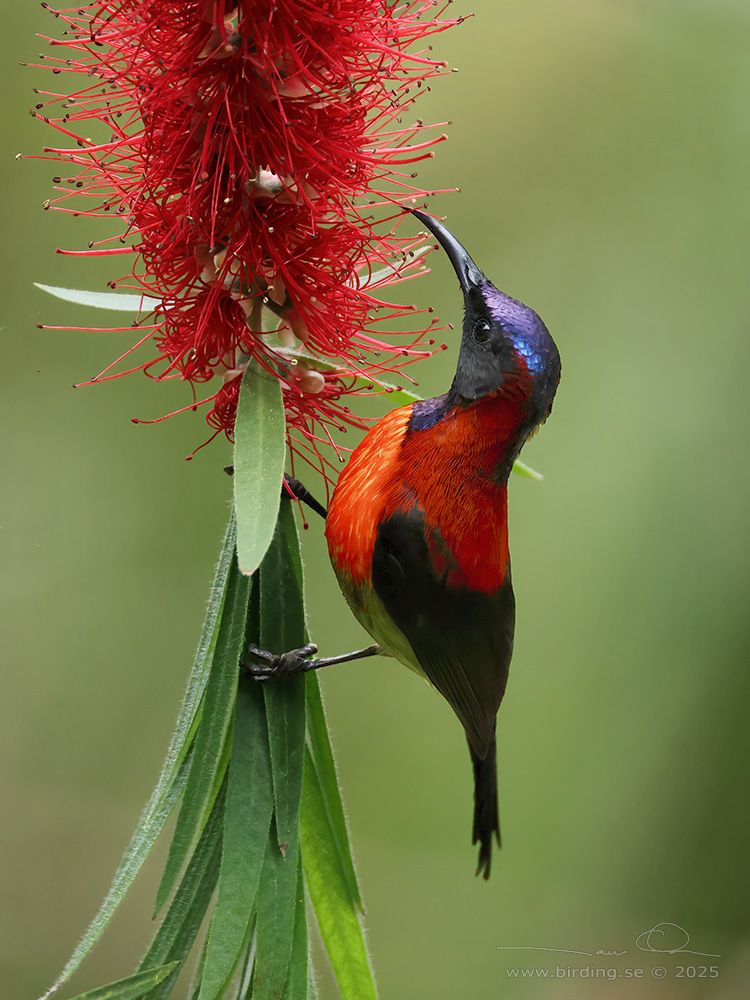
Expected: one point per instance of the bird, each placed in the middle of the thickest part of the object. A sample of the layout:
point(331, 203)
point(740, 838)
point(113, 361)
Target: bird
point(417, 525)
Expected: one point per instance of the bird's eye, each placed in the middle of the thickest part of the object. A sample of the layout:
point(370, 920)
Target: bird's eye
point(482, 330)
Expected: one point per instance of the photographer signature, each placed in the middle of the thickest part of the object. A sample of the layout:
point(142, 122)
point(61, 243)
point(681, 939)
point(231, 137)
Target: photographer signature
point(664, 938)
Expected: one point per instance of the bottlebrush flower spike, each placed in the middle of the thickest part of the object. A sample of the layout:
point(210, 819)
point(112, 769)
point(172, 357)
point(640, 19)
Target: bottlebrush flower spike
point(256, 152)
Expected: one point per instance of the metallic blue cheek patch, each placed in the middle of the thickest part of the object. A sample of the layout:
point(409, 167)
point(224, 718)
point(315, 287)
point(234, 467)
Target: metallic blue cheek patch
point(524, 327)
point(529, 352)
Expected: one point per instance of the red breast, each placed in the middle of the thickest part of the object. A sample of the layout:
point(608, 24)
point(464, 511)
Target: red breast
point(448, 470)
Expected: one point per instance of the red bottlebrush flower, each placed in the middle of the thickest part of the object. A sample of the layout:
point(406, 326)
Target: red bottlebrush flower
point(256, 152)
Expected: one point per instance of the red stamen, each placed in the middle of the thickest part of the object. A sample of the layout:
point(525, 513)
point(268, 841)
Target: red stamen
point(246, 172)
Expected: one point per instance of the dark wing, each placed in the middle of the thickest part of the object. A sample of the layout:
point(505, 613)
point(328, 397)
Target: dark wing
point(463, 639)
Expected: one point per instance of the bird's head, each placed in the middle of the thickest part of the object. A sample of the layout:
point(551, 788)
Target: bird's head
point(504, 342)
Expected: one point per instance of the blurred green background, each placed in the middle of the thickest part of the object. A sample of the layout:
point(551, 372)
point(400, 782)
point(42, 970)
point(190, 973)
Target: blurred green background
point(602, 150)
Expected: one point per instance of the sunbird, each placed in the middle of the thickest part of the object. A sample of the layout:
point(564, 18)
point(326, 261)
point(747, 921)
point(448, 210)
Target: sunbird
point(417, 525)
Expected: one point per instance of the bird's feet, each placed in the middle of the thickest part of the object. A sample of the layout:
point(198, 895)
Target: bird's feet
point(265, 666)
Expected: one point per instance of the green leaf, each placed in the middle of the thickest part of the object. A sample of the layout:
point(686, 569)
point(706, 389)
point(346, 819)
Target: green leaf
point(282, 627)
point(394, 392)
point(209, 756)
point(239, 987)
point(195, 982)
point(391, 271)
point(103, 300)
point(326, 785)
point(277, 911)
point(259, 453)
point(130, 988)
point(525, 470)
point(247, 822)
point(182, 921)
point(330, 894)
point(173, 775)
point(300, 978)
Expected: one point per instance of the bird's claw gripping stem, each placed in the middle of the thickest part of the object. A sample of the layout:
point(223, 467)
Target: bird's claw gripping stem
point(273, 667)
point(265, 666)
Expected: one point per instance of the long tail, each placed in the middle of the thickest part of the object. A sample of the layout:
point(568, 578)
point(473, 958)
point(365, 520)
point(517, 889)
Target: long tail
point(486, 814)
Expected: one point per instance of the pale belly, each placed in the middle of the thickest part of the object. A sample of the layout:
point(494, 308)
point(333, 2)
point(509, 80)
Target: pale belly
point(370, 612)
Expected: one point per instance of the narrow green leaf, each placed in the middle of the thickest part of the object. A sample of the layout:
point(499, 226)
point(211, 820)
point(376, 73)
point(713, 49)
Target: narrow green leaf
point(212, 732)
point(222, 767)
point(259, 452)
point(102, 300)
point(195, 982)
point(173, 775)
point(186, 939)
point(395, 393)
point(525, 470)
point(324, 767)
point(191, 705)
point(247, 822)
point(277, 910)
point(330, 894)
point(182, 921)
point(297, 985)
point(239, 987)
point(282, 627)
point(130, 988)
point(389, 272)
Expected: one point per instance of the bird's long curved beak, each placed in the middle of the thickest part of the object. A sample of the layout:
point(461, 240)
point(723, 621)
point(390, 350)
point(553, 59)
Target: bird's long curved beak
point(468, 273)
